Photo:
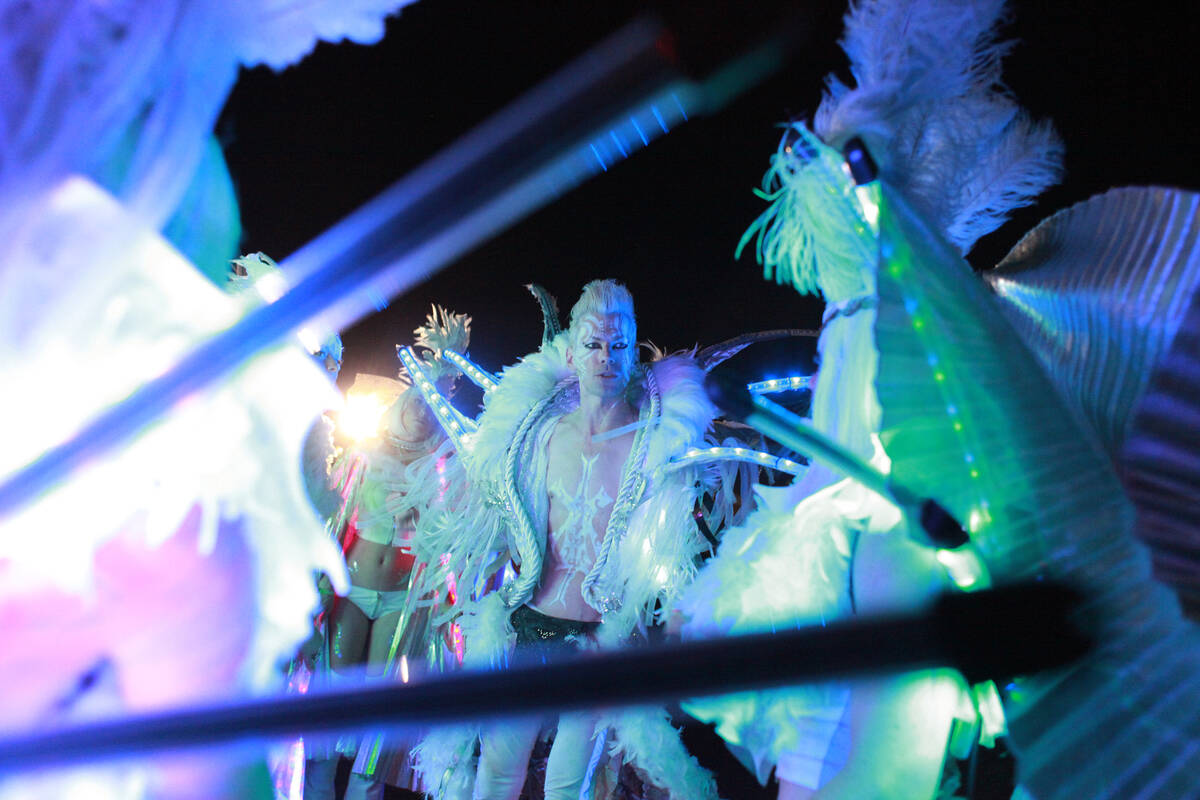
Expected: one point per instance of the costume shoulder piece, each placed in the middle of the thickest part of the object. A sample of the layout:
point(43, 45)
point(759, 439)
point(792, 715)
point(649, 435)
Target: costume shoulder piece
point(522, 386)
point(687, 412)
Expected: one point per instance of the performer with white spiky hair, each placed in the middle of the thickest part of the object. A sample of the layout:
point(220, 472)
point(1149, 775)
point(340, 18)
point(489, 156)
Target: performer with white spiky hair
point(562, 472)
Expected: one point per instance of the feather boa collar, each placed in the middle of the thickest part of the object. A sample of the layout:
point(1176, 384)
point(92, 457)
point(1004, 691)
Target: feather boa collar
point(687, 412)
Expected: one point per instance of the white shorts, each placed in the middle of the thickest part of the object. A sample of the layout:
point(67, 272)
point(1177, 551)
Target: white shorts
point(375, 603)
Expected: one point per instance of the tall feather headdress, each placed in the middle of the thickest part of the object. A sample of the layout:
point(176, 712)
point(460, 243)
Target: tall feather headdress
point(927, 101)
point(443, 330)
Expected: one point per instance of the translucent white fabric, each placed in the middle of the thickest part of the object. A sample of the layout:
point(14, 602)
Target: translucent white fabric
point(128, 91)
point(92, 305)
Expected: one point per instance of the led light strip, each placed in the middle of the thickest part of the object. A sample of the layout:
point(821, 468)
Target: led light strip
point(746, 454)
point(782, 384)
point(478, 375)
point(456, 426)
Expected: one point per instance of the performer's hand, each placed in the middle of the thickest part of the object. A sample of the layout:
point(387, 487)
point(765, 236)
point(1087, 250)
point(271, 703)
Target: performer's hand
point(673, 628)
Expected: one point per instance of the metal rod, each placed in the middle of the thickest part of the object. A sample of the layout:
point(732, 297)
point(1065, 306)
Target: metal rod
point(932, 524)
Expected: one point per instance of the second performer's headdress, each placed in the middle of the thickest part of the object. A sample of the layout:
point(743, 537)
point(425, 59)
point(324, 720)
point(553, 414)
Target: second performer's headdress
point(443, 330)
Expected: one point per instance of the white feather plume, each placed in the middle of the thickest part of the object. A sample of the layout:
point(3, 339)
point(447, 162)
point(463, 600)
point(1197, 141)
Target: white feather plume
point(927, 100)
point(929, 103)
point(443, 330)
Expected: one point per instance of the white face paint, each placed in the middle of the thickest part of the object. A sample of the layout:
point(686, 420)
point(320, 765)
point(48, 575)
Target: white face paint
point(602, 354)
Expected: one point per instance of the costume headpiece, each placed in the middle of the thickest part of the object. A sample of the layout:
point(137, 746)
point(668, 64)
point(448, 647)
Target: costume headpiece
point(443, 330)
point(928, 103)
point(258, 273)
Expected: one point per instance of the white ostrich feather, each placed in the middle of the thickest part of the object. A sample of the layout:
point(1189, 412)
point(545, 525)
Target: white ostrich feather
point(927, 101)
point(443, 330)
point(929, 104)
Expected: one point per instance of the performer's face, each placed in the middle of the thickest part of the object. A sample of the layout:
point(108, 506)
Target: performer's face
point(602, 354)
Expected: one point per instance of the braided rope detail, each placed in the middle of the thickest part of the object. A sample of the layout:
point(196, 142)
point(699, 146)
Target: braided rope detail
point(524, 537)
point(633, 486)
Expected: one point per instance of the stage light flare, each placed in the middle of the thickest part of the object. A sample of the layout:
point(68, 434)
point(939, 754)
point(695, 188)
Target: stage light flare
point(271, 287)
point(361, 417)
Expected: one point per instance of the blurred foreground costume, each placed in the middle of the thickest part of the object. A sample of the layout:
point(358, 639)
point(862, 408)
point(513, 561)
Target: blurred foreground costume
point(1011, 414)
point(112, 193)
point(927, 109)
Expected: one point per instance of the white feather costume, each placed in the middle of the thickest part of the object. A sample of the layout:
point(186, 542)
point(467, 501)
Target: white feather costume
point(928, 104)
point(929, 107)
point(197, 530)
point(644, 562)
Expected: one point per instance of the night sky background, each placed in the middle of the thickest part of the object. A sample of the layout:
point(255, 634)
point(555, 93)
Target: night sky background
point(309, 145)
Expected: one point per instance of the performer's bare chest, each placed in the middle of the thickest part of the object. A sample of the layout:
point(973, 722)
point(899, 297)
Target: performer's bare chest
point(583, 479)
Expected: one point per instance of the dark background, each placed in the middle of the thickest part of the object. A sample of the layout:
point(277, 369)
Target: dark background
point(308, 145)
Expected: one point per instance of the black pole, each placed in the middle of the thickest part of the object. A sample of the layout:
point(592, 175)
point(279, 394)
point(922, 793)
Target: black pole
point(991, 634)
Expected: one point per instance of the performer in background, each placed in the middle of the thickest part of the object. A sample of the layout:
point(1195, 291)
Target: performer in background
point(375, 630)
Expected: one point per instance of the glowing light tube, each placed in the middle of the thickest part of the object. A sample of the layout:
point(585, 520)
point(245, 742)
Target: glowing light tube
point(604, 105)
point(478, 375)
point(792, 383)
point(456, 426)
point(746, 454)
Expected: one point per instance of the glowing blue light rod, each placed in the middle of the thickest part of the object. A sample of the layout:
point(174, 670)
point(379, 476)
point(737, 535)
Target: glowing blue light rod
point(456, 426)
point(478, 375)
point(792, 383)
point(745, 454)
point(530, 153)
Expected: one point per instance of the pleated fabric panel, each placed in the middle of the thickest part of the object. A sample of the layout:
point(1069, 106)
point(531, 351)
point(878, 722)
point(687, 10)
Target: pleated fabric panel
point(971, 419)
point(1162, 464)
point(1105, 294)
point(1099, 291)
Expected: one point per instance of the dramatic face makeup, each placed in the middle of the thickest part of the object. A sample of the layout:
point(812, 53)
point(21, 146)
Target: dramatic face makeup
point(602, 354)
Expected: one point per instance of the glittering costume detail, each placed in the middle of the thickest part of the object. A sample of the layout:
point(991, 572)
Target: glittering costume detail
point(544, 636)
point(648, 554)
point(575, 540)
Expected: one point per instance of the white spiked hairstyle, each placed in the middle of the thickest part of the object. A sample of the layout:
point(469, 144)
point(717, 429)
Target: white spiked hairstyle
point(605, 296)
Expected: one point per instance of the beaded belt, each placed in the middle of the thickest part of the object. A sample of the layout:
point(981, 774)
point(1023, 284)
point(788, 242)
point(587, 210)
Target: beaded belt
point(543, 634)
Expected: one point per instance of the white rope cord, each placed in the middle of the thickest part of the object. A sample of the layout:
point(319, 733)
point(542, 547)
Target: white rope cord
point(524, 536)
point(633, 486)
